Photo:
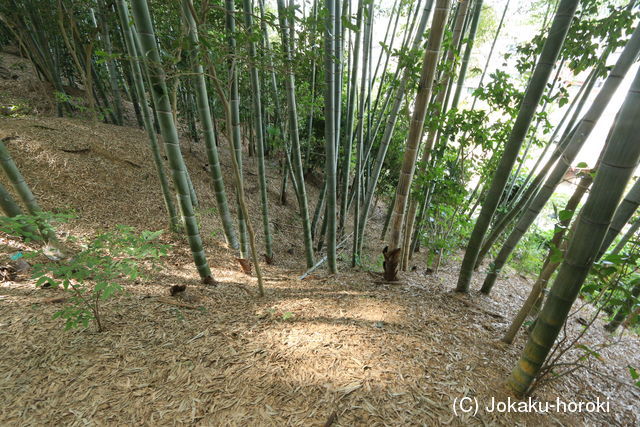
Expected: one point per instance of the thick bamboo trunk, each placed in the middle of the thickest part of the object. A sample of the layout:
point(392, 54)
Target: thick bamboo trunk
point(623, 214)
point(473, 28)
point(17, 180)
point(388, 131)
point(8, 204)
point(549, 266)
point(349, 129)
point(104, 9)
point(236, 135)
point(257, 121)
point(619, 162)
point(330, 133)
point(627, 236)
point(533, 94)
point(581, 134)
point(130, 41)
point(441, 100)
point(206, 121)
point(160, 94)
point(357, 186)
point(624, 311)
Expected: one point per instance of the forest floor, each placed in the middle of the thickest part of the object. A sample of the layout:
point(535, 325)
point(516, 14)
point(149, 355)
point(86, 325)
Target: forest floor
point(340, 349)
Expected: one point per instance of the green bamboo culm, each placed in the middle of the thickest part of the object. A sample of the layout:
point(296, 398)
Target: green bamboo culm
point(549, 266)
point(349, 130)
point(230, 23)
point(619, 162)
point(473, 28)
point(21, 187)
point(10, 207)
point(627, 236)
point(533, 94)
point(7, 203)
point(103, 9)
point(527, 192)
point(578, 138)
point(360, 136)
point(442, 100)
point(17, 180)
point(625, 310)
point(256, 90)
point(204, 112)
point(192, 189)
point(160, 94)
point(330, 133)
point(624, 212)
point(294, 134)
point(130, 41)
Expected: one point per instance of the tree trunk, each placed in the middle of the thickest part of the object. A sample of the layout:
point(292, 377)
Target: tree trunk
point(235, 133)
point(257, 121)
point(627, 236)
point(388, 131)
point(330, 132)
point(623, 214)
point(130, 41)
point(346, 160)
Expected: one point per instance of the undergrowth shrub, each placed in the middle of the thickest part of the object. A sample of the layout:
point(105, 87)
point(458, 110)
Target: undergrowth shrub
point(91, 274)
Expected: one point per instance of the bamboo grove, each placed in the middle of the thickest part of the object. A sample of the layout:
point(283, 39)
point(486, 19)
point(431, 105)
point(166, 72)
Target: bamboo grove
point(407, 118)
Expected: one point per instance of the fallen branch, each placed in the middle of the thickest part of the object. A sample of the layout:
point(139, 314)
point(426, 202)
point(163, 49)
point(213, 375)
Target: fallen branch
point(135, 165)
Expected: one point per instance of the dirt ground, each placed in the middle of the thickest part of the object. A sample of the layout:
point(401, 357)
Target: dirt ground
point(328, 350)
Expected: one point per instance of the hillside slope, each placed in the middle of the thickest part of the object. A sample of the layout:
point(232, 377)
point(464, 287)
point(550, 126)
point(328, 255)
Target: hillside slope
point(342, 350)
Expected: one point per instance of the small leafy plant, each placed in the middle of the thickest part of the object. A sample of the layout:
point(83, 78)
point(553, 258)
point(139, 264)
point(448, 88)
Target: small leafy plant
point(91, 276)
